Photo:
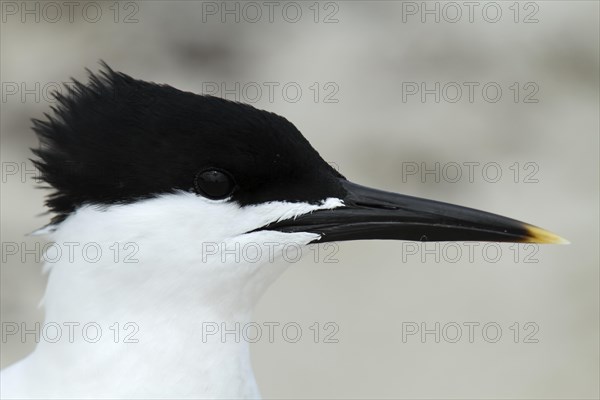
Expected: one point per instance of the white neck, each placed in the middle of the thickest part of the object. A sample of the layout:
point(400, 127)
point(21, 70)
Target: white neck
point(180, 349)
point(168, 286)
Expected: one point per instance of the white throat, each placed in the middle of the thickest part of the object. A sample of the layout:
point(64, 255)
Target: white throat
point(160, 272)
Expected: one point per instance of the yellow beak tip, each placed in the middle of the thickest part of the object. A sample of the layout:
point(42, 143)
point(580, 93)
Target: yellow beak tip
point(539, 235)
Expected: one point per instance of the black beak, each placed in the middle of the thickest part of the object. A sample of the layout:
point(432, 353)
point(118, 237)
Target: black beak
point(375, 214)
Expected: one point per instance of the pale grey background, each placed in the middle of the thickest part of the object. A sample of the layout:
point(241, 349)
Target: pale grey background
point(368, 134)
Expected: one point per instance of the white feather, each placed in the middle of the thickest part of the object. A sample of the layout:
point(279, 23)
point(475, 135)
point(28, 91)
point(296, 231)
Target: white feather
point(178, 283)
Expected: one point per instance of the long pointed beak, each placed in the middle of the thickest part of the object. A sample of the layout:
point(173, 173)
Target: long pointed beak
point(375, 214)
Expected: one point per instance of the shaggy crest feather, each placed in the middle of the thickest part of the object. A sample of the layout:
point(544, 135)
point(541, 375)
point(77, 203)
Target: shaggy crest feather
point(117, 139)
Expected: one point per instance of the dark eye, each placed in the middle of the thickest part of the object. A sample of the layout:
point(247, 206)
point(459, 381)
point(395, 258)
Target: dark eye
point(214, 184)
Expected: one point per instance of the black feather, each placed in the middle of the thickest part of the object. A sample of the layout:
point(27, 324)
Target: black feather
point(117, 140)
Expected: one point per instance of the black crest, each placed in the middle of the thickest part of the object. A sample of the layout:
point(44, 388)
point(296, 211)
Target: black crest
point(119, 139)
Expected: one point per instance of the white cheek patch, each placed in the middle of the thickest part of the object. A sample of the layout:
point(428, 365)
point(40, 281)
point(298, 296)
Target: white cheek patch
point(177, 218)
point(179, 232)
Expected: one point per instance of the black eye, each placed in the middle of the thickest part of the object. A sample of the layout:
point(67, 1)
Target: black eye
point(214, 184)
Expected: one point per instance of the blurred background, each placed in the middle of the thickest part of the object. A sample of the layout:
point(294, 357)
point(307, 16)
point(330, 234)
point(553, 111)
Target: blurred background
point(389, 93)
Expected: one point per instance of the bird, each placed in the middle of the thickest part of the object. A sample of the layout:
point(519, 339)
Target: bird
point(168, 173)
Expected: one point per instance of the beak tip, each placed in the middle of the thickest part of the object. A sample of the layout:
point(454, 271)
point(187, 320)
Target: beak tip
point(539, 235)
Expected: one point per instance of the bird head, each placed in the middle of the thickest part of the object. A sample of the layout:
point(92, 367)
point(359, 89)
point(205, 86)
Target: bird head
point(141, 160)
